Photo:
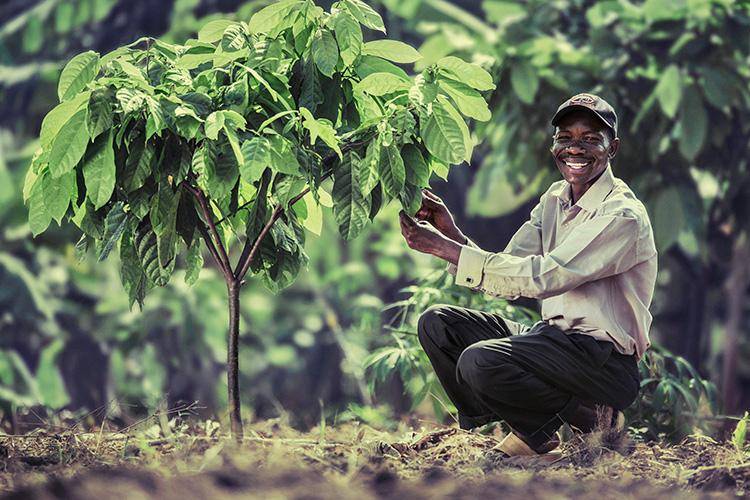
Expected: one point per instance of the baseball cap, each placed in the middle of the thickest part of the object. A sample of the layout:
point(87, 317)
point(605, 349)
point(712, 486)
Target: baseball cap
point(591, 102)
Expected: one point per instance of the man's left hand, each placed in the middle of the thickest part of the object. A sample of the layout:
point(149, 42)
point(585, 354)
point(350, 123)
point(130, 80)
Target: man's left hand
point(421, 236)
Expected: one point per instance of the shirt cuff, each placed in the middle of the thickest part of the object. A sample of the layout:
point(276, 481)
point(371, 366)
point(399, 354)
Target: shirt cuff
point(451, 268)
point(470, 267)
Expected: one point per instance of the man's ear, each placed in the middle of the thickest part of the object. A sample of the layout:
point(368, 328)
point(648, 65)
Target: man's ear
point(614, 147)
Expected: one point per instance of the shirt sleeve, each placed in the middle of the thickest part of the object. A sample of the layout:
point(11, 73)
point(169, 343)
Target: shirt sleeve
point(599, 247)
point(451, 268)
point(528, 238)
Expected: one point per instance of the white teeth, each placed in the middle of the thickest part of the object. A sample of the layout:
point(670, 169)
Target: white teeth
point(575, 165)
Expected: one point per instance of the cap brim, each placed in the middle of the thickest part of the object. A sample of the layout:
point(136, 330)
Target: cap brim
point(575, 107)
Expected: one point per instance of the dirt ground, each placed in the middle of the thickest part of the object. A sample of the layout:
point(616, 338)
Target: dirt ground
point(355, 461)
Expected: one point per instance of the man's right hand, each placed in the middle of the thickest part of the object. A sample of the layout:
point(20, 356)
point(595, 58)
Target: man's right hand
point(434, 211)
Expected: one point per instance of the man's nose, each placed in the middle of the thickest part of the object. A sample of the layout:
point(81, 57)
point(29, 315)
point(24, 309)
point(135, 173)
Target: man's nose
point(574, 149)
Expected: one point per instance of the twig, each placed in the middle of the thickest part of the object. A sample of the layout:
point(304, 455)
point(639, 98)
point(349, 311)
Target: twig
point(249, 251)
point(198, 195)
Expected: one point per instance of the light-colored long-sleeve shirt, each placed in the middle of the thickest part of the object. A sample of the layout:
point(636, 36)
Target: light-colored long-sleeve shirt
point(592, 263)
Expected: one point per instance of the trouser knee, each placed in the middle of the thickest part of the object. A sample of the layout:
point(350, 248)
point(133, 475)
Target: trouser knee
point(430, 327)
point(481, 375)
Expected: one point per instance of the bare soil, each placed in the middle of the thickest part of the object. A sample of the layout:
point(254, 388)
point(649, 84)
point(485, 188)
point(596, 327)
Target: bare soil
point(355, 461)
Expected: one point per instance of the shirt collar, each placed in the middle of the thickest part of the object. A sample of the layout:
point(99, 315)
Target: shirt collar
point(595, 194)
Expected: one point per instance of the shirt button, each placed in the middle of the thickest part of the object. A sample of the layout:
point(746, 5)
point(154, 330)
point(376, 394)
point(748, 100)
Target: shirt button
point(469, 280)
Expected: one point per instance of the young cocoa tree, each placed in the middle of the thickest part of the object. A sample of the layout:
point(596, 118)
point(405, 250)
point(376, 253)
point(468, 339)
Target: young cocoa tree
point(158, 148)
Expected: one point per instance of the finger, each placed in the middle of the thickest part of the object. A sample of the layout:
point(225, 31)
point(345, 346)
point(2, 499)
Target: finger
point(423, 214)
point(432, 196)
point(406, 219)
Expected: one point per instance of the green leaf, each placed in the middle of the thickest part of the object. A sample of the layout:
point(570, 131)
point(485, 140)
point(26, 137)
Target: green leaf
point(469, 101)
point(348, 35)
point(213, 31)
point(39, 218)
point(69, 145)
point(718, 86)
point(350, 207)
point(222, 176)
point(201, 163)
point(417, 170)
point(669, 90)
point(423, 92)
point(256, 152)
point(379, 84)
point(234, 143)
point(320, 128)
point(235, 38)
point(148, 254)
point(100, 112)
point(134, 73)
point(130, 100)
point(164, 209)
point(366, 170)
point(314, 220)
point(739, 435)
point(471, 74)
point(213, 125)
point(114, 225)
point(410, 198)
point(64, 17)
point(668, 217)
point(367, 65)
point(131, 272)
point(663, 10)
point(59, 117)
point(77, 74)
point(58, 193)
point(268, 19)
point(156, 121)
point(325, 52)
point(503, 12)
point(442, 134)
point(439, 167)
point(194, 263)
point(138, 165)
point(282, 155)
point(393, 50)
point(525, 82)
point(99, 170)
point(33, 35)
point(391, 168)
point(311, 92)
point(365, 14)
point(48, 378)
point(693, 124)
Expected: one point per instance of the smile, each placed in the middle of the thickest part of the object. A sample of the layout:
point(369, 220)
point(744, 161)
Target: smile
point(576, 164)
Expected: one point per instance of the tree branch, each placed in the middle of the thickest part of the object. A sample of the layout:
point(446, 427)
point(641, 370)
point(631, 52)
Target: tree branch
point(250, 249)
point(248, 252)
point(220, 254)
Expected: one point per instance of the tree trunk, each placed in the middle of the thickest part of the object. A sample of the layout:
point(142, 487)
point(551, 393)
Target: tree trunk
point(233, 370)
point(736, 287)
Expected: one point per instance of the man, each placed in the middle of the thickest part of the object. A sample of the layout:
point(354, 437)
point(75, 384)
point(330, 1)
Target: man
point(588, 253)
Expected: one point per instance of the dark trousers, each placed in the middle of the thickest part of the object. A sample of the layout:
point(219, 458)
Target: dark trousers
point(533, 378)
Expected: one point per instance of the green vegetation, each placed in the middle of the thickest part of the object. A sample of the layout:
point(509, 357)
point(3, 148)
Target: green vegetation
point(155, 146)
point(270, 103)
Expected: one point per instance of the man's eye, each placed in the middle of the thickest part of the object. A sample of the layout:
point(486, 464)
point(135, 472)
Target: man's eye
point(592, 140)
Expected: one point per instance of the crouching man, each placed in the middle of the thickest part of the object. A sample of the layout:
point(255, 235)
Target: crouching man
point(587, 251)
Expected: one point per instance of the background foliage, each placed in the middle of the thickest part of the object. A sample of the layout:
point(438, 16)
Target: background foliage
point(677, 73)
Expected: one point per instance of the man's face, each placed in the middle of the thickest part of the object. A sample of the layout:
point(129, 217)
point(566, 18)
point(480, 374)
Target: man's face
point(582, 148)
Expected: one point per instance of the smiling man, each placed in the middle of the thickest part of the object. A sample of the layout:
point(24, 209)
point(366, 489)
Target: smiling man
point(588, 253)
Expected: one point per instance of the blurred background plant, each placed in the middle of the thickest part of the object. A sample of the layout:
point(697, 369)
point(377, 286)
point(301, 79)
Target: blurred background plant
point(677, 72)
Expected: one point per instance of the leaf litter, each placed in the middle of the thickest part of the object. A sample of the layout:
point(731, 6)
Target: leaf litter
point(352, 460)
